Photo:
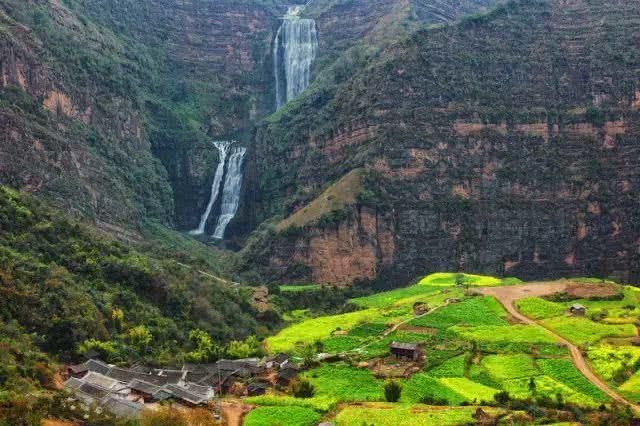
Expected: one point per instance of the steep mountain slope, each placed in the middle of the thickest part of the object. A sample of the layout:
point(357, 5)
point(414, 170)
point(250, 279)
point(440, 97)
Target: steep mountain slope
point(503, 144)
point(93, 98)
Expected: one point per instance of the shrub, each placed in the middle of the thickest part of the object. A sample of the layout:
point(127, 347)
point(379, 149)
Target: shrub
point(392, 391)
point(303, 389)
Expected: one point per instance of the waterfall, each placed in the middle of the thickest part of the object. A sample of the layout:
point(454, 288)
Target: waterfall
point(223, 147)
point(296, 42)
point(231, 192)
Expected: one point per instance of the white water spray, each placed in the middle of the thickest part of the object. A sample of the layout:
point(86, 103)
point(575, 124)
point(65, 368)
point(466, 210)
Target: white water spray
point(223, 148)
point(231, 192)
point(297, 43)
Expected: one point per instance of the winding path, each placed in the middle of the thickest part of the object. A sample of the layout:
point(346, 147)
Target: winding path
point(507, 296)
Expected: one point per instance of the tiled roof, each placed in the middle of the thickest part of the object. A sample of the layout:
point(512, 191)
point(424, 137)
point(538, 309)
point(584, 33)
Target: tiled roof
point(180, 392)
point(142, 386)
point(404, 346)
point(101, 380)
point(122, 407)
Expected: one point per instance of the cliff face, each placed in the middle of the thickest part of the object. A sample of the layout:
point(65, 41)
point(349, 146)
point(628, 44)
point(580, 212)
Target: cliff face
point(505, 144)
point(108, 89)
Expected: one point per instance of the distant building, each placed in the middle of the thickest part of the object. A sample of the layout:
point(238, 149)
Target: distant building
point(408, 351)
point(577, 309)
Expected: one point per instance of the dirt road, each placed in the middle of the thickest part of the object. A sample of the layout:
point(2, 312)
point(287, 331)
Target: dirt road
point(510, 294)
point(233, 412)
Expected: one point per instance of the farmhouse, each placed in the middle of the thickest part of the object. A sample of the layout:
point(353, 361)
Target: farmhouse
point(408, 351)
point(577, 309)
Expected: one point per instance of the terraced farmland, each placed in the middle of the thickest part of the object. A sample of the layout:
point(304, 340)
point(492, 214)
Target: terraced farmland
point(474, 351)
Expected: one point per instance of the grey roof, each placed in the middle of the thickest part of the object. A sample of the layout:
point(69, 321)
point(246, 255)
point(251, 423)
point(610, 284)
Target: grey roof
point(183, 394)
point(90, 365)
point(144, 387)
point(199, 389)
point(288, 372)
point(122, 407)
point(278, 358)
point(404, 346)
point(126, 376)
point(93, 391)
point(577, 306)
point(162, 394)
point(73, 383)
point(101, 380)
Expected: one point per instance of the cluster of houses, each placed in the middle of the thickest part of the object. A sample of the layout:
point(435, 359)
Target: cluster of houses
point(126, 391)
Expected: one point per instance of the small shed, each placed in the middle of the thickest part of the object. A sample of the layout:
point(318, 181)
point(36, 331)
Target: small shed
point(408, 351)
point(577, 309)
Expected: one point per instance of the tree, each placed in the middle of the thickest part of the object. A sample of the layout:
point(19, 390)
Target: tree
point(308, 354)
point(392, 391)
point(204, 348)
point(303, 389)
point(244, 349)
point(117, 317)
point(140, 337)
point(502, 398)
point(532, 385)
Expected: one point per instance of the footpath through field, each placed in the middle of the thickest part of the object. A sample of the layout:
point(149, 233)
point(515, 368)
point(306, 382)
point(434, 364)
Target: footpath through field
point(508, 295)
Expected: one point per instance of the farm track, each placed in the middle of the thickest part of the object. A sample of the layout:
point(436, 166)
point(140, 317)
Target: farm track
point(507, 296)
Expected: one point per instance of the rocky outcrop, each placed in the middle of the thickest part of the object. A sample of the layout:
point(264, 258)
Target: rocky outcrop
point(355, 249)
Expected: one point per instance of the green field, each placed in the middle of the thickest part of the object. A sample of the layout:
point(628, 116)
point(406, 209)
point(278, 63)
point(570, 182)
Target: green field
point(314, 329)
point(299, 288)
point(537, 308)
point(282, 416)
point(423, 385)
point(506, 367)
point(582, 331)
point(406, 415)
point(345, 383)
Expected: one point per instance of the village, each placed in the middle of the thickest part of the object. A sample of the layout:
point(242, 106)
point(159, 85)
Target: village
point(125, 392)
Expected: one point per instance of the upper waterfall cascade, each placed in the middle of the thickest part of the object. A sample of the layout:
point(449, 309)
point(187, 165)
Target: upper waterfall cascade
point(231, 192)
point(295, 48)
point(223, 149)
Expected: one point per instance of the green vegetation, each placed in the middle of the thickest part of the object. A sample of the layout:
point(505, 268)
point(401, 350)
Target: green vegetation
point(476, 311)
point(450, 279)
point(312, 330)
point(338, 196)
point(422, 388)
point(318, 403)
point(582, 331)
point(345, 383)
point(299, 288)
point(414, 415)
point(282, 416)
point(565, 372)
point(453, 367)
point(512, 334)
point(472, 391)
point(505, 367)
point(608, 360)
point(537, 308)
